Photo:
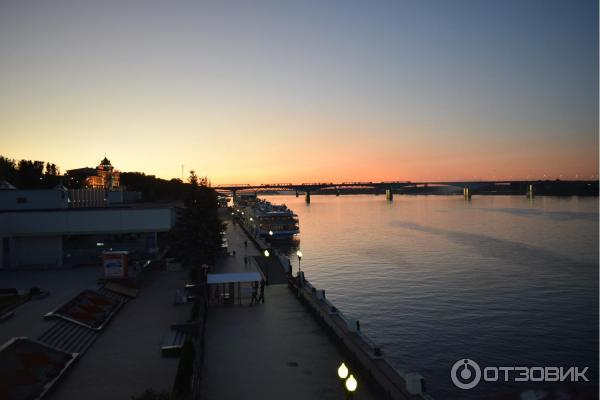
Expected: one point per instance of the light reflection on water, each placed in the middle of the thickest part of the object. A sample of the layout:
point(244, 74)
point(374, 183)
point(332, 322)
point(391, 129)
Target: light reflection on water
point(502, 280)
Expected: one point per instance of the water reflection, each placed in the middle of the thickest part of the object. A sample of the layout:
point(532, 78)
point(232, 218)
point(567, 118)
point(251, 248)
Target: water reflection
point(287, 248)
point(499, 279)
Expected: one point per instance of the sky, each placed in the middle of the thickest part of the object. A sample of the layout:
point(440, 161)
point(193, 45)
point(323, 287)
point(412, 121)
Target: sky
point(304, 91)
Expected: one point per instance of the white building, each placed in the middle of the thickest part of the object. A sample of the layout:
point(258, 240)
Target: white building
point(38, 228)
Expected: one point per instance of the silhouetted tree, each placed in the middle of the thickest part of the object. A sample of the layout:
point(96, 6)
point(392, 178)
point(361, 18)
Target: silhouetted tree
point(193, 179)
point(8, 170)
point(197, 237)
point(51, 176)
point(153, 188)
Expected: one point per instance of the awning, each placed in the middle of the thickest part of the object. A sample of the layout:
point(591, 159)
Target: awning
point(234, 277)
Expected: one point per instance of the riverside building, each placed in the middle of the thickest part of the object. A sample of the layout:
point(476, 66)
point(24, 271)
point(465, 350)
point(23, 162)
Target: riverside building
point(54, 228)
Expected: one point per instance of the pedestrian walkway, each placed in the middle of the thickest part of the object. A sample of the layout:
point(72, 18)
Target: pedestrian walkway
point(126, 359)
point(272, 270)
point(231, 264)
point(274, 350)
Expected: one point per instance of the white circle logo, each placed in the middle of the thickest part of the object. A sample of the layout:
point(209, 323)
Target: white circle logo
point(465, 373)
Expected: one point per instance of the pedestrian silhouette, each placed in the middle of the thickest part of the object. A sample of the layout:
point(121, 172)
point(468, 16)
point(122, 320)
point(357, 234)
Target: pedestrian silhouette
point(262, 292)
point(245, 243)
point(254, 292)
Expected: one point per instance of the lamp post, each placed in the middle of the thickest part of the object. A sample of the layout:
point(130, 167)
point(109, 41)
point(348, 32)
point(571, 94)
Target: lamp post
point(351, 385)
point(343, 371)
point(266, 253)
point(348, 382)
point(299, 254)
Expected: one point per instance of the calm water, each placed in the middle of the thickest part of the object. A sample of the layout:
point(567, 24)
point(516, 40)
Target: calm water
point(501, 280)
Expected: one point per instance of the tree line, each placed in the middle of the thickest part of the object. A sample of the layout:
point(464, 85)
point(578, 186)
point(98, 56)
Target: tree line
point(29, 174)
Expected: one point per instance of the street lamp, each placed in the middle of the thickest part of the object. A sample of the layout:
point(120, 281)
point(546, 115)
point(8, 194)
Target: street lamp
point(266, 253)
point(348, 382)
point(343, 371)
point(270, 233)
point(299, 254)
point(351, 385)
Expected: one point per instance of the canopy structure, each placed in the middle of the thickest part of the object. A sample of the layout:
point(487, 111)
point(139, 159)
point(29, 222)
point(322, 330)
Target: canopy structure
point(237, 277)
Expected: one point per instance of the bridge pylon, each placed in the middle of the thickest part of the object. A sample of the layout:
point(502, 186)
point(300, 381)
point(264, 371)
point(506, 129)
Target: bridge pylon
point(467, 193)
point(307, 197)
point(530, 194)
point(389, 195)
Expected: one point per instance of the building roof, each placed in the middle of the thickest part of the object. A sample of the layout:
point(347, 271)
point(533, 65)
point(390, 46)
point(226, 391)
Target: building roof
point(105, 161)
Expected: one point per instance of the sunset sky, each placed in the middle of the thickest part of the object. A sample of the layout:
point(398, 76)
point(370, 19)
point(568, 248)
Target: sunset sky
point(303, 91)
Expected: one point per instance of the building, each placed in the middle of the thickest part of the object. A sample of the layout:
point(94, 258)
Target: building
point(49, 229)
point(103, 177)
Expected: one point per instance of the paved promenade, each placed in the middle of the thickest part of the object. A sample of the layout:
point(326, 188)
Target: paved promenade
point(274, 350)
point(125, 359)
point(235, 238)
point(63, 284)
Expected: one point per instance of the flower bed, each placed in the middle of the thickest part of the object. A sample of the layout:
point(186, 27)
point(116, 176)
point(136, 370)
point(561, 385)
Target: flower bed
point(28, 368)
point(89, 308)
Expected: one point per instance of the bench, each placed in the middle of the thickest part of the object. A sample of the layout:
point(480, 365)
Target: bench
point(175, 337)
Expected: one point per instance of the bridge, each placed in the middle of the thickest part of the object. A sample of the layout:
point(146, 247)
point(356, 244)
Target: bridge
point(389, 186)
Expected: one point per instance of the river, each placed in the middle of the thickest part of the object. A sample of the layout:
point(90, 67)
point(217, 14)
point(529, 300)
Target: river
point(501, 280)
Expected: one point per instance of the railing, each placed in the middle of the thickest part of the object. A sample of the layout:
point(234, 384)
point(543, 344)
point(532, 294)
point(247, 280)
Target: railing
point(365, 356)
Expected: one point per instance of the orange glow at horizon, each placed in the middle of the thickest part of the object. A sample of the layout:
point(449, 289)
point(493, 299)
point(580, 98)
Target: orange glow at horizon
point(288, 156)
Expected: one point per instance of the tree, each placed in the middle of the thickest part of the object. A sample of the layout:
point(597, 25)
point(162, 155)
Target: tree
point(27, 174)
point(155, 189)
point(52, 175)
point(8, 170)
point(197, 236)
point(30, 174)
point(193, 179)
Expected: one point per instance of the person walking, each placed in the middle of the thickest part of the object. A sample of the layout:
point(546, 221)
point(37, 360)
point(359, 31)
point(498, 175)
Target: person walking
point(246, 243)
point(254, 299)
point(262, 292)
